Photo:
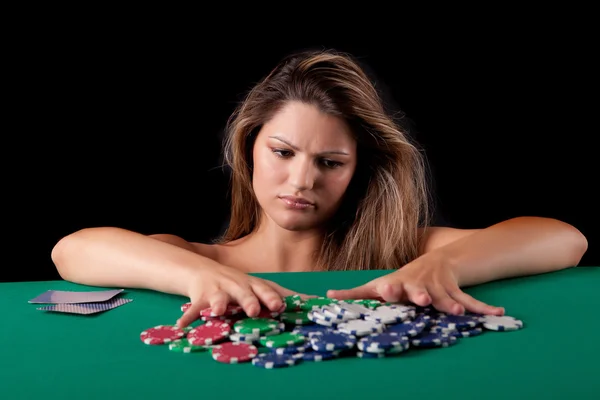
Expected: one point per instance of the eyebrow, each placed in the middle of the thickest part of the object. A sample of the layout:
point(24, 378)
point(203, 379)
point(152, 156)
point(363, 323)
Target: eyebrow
point(298, 149)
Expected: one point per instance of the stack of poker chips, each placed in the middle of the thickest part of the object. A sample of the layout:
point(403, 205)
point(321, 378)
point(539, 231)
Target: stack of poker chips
point(319, 329)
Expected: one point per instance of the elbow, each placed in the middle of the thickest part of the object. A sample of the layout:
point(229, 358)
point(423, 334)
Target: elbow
point(573, 243)
point(578, 246)
point(67, 253)
point(62, 253)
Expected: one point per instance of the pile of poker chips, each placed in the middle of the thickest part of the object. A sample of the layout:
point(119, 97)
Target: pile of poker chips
point(320, 329)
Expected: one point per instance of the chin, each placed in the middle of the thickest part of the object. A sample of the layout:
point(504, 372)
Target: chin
point(295, 223)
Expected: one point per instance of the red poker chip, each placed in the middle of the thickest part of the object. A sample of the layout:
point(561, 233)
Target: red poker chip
point(209, 333)
point(231, 310)
point(234, 352)
point(230, 320)
point(266, 313)
point(161, 334)
point(185, 307)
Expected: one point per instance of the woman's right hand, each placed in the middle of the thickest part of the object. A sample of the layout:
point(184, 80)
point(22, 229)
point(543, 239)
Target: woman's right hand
point(218, 286)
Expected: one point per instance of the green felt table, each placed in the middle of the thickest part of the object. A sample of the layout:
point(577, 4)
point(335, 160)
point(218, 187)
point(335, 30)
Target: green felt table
point(47, 355)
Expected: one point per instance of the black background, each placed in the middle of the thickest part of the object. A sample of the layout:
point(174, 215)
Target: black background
point(122, 120)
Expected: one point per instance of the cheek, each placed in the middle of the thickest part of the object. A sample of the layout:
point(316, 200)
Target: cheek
point(267, 169)
point(338, 185)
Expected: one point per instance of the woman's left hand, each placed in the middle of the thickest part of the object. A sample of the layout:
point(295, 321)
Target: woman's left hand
point(424, 281)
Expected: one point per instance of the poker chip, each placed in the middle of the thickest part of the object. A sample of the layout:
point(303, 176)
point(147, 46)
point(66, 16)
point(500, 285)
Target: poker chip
point(369, 303)
point(230, 310)
point(185, 306)
point(256, 325)
point(434, 340)
point(381, 342)
point(360, 327)
point(266, 313)
point(352, 310)
point(503, 323)
point(295, 318)
point(323, 329)
point(209, 333)
point(409, 328)
point(293, 349)
point(272, 360)
point(234, 353)
point(317, 356)
point(161, 334)
point(458, 321)
point(184, 346)
point(311, 330)
point(468, 332)
point(292, 302)
point(282, 340)
point(333, 341)
point(316, 303)
point(388, 315)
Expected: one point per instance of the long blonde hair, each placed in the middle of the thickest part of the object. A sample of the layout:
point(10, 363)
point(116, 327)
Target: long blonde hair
point(387, 200)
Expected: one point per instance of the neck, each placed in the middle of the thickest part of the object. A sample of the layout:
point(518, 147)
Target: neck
point(280, 250)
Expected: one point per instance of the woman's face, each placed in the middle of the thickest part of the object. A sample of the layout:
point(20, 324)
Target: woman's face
point(303, 163)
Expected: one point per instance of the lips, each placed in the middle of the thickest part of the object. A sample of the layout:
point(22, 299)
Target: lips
point(297, 200)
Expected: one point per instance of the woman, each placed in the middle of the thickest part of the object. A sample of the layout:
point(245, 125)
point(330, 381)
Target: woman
point(322, 179)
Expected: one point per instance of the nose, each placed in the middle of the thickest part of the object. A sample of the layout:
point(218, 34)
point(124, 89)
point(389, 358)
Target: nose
point(302, 174)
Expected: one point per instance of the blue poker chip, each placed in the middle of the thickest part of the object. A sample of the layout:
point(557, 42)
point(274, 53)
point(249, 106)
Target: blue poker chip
point(433, 339)
point(381, 342)
point(406, 328)
point(468, 332)
point(423, 319)
point(311, 330)
point(333, 341)
point(459, 321)
point(318, 355)
point(272, 360)
point(304, 347)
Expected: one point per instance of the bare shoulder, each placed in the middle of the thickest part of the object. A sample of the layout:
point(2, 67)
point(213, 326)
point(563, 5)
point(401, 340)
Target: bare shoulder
point(432, 237)
point(207, 250)
point(212, 251)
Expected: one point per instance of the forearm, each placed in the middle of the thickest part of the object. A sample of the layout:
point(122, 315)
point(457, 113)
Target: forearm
point(113, 257)
point(516, 247)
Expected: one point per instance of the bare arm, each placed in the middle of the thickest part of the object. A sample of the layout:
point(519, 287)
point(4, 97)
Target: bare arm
point(114, 257)
point(515, 247)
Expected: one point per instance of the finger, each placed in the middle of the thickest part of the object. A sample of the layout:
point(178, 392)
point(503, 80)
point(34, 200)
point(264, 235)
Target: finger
point(417, 294)
point(283, 292)
point(392, 293)
point(246, 298)
point(442, 301)
point(192, 314)
point(366, 291)
point(267, 295)
point(475, 305)
point(219, 301)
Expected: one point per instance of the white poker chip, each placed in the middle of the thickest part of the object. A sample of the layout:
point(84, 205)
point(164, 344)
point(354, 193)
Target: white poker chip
point(335, 315)
point(360, 327)
point(352, 310)
point(503, 323)
point(388, 315)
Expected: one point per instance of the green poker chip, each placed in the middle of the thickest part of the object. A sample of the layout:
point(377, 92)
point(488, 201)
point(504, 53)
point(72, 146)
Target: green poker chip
point(295, 318)
point(293, 302)
point(282, 340)
point(183, 346)
point(257, 326)
point(369, 303)
point(316, 303)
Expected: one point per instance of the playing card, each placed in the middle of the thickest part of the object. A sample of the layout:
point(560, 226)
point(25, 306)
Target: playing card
point(86, 308)
point(68, 297)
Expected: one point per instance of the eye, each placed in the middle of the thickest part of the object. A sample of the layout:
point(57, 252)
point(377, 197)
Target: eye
point(282, 153)
point(331, 164)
